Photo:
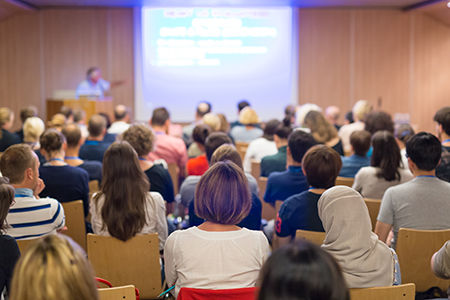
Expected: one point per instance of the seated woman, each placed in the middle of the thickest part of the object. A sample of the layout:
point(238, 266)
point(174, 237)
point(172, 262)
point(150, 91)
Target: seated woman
point(385, 170)
point(199, 164)
point(7, 138)
point(124, 207)
point(54, 268)
point(32, 131)
point(141, 138)
point(217, 254)
point(365, 260)
point(248, 131)
point(300, 271)
point(322, 131)
point(9, 253)
point(62, 182)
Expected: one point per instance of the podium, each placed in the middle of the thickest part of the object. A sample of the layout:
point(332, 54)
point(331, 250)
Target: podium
point(91, 107)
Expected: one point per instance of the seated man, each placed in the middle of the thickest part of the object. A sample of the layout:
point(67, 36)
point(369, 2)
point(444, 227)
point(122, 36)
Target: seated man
point(74, 140)
point(203, 108)
point(94, 147)
point(281, 185)
point(167, 147)
point(29, 217)
point(421, 203)
point(360, 142)
point(277, 162)
point(321, 165)
point(442, 118)
point(121, 119)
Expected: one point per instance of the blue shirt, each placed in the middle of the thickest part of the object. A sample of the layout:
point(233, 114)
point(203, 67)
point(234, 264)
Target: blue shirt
point(93, 168)
point(88, 88)
point(282, 185)
point(352, 164)
point(93, 150)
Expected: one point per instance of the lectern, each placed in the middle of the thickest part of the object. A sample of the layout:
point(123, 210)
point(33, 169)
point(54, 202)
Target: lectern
point(91, 107)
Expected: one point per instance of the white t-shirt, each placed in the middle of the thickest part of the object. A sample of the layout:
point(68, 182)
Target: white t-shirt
point(256, 150)
point(155, 217)
point(214, 260)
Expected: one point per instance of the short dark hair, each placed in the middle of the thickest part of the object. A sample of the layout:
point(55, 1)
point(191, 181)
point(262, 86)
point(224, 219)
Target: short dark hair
point(222, 195)
point(425, 150)
point(91, 70)
point(203, 108)
point(214, 141)
point(27, 112)
point(302, 270)
point(242, 104)
point(299, 142)
point(52, 140)
point(15, 160)
point(386, 155)
point(270, 128)
point(349, 117)
point(96, 125)
point(360, 141)
point(322, 165)
point(284, 129)
point(200, 133)
point(160, 116)
point(67, 111)
point(404, 132)
point(78, 115)
point(377, 121)
point(442, 117)
point(7, 197)
point(72, 134)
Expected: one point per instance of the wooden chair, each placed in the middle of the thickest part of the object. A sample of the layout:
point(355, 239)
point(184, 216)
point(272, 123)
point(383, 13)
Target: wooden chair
point(241, 147)
point(94, 187)
point(314, 237)
point(135, 261)
point(347, 181)
point(397, 292)
point(373, 205)
point(126, 292)
point(262, 184)
point(174, 174)
point(268, 211)
point(255, 168)
point(414, 250)
point(276, 243)
point(25, 244)
point(75, 224)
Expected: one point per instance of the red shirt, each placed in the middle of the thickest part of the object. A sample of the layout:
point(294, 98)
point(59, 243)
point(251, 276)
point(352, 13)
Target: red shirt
point(197, 165)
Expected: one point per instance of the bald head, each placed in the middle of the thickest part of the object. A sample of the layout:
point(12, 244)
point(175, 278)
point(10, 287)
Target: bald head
point(120, 112)
point(203, 108)
point(97, 126)
point(73, 135)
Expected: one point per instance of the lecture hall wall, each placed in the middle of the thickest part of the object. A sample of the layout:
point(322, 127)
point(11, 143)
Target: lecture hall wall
point(398, 61)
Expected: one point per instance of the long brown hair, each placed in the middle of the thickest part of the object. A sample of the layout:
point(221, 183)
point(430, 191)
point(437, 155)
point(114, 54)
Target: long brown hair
point(321, 129)
point(125, 190)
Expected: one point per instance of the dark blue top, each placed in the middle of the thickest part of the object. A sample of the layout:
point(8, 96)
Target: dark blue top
point(109, 138)
point(443, 169)
point(352, 164)
point(93, 168)
point(8, 139)
point(161, 182)
point(299, 212)
point(252, 221)
point(282, 185)
point(9, 255)
point(65, 184)
point(20, 134)
point(41, 157)
point(93, 150)
point(274, 163)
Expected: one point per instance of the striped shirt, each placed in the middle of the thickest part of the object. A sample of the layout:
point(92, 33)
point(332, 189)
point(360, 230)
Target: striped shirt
point(30, 218)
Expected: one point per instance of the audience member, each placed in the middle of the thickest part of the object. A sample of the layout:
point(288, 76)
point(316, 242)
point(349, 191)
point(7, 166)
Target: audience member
point(322, 131)
point(7, 138)
point(303, 110)
point(277, 161)
point(109, 137)
point(32, 130)
point(300, 271)
point(121, 119)
point(442, 118)
point(249, 129)
point(224, 125)
point(57, 122)
point(440, 263)
point(10, 252)
point(124, 206)
point(365, 261)
point(360, 110)
point(348, 118)
point(141, 138)
point(68, 113)
point(62, 182)
point(79, 118)
point(212, 121)
point(203, 108)
point(378, 121)
point(421, 203)
point(25, 113)
point(403, 133)
point(384, 170)
point(360, 145)
point(282, 185)
point(217, 254)
point(52, 269)
point(240, 106)
point(262, 146)
point(29, 217)
point(94, 147)
point(332, 114)
point(74, 140)
point(199, 164)
point(321, 165)
point(167, 147)
point(289, 113)
point(252, 221)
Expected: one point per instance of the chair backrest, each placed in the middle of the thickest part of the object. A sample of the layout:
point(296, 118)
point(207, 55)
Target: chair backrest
point(174, 174)
point(25, 244)
point(268, 211)
point(262, 184)
point(314, 237)
point(75, 224)
point(229, 294)
point(241, 147)
point(373, 205)
point(255, 168)
point(94, 187)
point(126, 292)
point(347, 181)
point(275, 239)
point(396, 292)
point(414, 250)
point(135, 261)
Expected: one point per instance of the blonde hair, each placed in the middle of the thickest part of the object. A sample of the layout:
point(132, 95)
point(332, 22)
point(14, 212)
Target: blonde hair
point(58, 121)
point(248, 116)
point(5, 117)
point(33, 129)
point(321, 129)
point(361, 109)
point(212, 120)
point(53, 269)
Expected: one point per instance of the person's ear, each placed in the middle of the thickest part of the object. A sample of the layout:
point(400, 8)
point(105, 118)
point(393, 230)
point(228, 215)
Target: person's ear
point(29, 174)
point(411, 165)
point(64, 146)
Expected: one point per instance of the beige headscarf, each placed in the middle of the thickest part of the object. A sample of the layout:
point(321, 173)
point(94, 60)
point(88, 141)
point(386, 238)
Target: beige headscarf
point(365, 260)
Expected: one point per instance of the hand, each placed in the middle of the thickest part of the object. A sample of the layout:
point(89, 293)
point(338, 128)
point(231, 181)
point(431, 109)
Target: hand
point(62, 229)
point(39, 187)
